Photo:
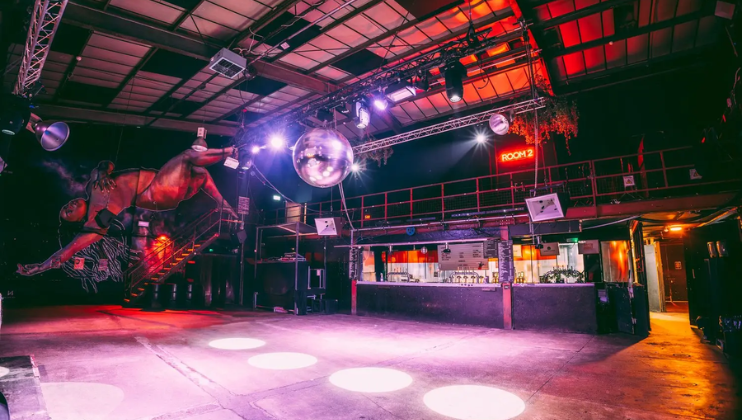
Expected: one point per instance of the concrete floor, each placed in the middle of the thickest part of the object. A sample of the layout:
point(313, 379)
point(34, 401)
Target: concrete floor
point(105, 362)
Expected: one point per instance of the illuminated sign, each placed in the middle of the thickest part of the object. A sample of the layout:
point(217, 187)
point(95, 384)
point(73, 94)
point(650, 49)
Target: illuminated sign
point(516, 155)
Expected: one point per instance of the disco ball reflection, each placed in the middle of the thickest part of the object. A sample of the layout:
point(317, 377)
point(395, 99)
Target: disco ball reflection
point(323, 157)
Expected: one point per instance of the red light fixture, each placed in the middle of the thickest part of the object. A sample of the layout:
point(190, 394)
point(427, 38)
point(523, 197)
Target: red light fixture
point(163, 238)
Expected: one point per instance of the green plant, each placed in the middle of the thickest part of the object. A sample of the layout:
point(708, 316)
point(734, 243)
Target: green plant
point(560, 275)
point(558, 116)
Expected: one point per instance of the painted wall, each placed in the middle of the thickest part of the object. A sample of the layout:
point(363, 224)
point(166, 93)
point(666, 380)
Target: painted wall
point(37, 184)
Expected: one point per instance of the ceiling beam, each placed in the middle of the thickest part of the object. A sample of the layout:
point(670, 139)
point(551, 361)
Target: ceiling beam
point(132, 74)
point(106, 22)
point(107, 117)
point(580, 13)
point(336, 23)
point(186, 14)
point(264, 21)
point(71, 68)
point(507, 13)
point(669, 23)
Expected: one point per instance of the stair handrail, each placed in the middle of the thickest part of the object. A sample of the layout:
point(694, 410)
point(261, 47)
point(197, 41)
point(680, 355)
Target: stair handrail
point(135, 280)
point(178, 235)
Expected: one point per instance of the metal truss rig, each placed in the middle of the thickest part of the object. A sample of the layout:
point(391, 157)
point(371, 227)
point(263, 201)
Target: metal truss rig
point(405, 70)
point(41, 30)
point(518, 108)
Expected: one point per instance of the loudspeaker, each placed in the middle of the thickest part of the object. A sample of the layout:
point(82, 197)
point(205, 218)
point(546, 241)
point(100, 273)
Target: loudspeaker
point(547, 207)
point(328, 226)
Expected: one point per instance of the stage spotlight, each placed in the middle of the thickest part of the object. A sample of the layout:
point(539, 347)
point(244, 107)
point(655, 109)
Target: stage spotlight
point(499, 124)
point(282, 361)
point(480, 138)
point(676, 228)
point(361, 115)
point(400, 91)
point(246, 162)
point(355, 167)
point(163, 238)
point(277, 141)
point(255, 149)
point(276, 197)
point(454, 75)
point(200, 145)
point(381, 104)
point(15, 114)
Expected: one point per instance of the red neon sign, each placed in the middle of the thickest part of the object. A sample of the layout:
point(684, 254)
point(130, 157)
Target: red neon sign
point(516, 155)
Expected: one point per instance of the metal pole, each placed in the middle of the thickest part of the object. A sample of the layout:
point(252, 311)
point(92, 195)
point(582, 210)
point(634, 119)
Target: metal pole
point(257, 258)
point(296, 271)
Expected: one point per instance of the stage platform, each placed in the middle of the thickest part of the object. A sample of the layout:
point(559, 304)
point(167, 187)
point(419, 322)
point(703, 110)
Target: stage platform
point(105, 362)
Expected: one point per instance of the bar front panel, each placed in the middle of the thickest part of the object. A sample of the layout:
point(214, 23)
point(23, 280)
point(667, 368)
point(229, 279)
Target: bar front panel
point(449, 304)
point(555, 307)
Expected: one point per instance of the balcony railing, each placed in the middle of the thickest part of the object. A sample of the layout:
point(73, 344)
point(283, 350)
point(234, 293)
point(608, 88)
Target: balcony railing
point(656, 175)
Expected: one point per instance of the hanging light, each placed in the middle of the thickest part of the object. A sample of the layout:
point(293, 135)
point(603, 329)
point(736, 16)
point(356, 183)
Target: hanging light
point(454, 74)
point(400, 91)
point(255, 149)
point(480, 138)
point(381, 103)
point(361, 114)
point(499, 124)
point(200, 145)
point(355, 167)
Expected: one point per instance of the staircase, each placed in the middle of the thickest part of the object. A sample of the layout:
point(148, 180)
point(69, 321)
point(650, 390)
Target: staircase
point(171, 256)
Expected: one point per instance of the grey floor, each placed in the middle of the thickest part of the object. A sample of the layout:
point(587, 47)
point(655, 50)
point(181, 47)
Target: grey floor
point(105, 362)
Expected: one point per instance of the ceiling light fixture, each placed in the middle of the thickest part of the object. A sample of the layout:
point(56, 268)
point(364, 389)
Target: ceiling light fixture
point(454, 75)
point(361, 115)
point(355, 167)
point(381, 103)
point(400, 91)
point(480, 138)
point(676, 228)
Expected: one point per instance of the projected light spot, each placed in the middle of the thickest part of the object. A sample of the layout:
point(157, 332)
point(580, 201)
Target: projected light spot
point(282, 361)
point(4, 371)
point(81, 400)
point(237, 343)
point(371, 379)
point(474, 402)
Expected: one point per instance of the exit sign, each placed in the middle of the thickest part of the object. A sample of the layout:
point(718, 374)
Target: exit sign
point(517, 155)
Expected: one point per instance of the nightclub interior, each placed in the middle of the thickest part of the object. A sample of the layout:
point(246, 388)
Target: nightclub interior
point(370, 209)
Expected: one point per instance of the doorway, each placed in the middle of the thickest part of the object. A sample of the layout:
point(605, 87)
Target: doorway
point(674, 276)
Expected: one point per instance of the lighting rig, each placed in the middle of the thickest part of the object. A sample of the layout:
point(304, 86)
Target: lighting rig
point(15, 109)
point(400, 82)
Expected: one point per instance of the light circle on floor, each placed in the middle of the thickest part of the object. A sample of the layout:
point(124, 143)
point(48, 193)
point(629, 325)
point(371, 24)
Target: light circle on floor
point(236, 343)
point(371, 379)
point(282, 361)
point(4, 371)
point(474, 402)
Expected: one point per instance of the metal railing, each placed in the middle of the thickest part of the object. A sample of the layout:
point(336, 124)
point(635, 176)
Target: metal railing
point(651, 175)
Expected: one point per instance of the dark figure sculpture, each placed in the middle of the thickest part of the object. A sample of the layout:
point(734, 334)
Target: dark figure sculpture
point(110, 194)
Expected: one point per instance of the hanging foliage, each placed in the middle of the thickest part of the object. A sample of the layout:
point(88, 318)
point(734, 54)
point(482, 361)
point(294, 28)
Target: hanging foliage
point(380, 156)
point(559, 116)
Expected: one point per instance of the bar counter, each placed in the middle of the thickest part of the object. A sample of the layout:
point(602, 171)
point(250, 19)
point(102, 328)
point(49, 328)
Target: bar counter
point(553, 307)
